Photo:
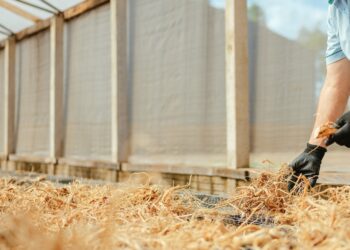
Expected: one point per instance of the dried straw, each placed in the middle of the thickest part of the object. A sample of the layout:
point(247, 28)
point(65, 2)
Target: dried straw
point(39, 214)
point(325, 130)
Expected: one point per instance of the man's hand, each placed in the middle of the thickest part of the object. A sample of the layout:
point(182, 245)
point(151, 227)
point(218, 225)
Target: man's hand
point(308, 164)
point(342, 136)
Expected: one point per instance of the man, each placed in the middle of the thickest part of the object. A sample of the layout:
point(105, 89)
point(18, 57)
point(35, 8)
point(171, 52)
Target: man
point(334, 95)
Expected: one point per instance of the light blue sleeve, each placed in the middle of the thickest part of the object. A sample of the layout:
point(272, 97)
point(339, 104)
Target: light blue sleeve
point(334, 51)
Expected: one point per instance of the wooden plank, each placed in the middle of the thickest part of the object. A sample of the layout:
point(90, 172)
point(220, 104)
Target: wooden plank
point(326, 177)
point(337, 159)
point(9, 105)
point(56, 87)
point(119, 81)
point(84, 7)
point(19, 11)
point(67, 14)
point(88, 163)
point(105, 174)
point(241, 174)
point(3, 157)
point(237, 85)
point(334, 178)
point(32, 159)
point(39, 26)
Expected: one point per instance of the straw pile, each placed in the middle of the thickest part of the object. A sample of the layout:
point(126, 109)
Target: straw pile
point(77, 216)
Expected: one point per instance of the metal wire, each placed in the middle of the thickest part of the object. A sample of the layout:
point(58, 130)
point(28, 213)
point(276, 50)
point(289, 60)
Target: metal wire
point(10, 32)
point(51, 5)
point(4, 33)
point(37, 6)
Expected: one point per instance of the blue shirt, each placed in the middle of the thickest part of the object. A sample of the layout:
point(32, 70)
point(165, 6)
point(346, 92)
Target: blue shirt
point(338, 42)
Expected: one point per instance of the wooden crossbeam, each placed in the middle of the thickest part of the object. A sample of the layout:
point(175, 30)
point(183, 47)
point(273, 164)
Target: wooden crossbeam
point(19, 11)
point(83, 7)
point(67, 14)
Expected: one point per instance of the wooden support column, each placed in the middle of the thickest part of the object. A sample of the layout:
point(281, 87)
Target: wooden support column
point(237, 84)
point(119, 80)
point(56, 86)
point(10, 86)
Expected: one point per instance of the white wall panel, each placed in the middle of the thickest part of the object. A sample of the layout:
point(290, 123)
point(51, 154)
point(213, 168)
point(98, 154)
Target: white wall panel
point(32, 94)
point(177, 82)
point(87, 86)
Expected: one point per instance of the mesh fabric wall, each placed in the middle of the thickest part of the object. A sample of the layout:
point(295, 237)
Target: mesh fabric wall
point(87, 86)
point(282, 78)
point(287, 71)
point(32, 94)
point(177, 82)
point(2, 90)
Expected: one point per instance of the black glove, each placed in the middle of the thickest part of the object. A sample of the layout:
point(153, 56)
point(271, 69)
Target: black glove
point(308, 164)
point(342, 136)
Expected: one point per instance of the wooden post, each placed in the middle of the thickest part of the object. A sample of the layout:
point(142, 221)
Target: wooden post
point(10, 87)
point(56, 86)
point(119, 80)
point(237, 84)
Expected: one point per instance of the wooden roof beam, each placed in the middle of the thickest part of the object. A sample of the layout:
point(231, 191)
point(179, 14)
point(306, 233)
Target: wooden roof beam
point(19, 11)
point(67, 14)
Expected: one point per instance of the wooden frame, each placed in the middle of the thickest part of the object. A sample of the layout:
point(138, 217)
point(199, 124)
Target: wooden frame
point(56, 82)
point(84, 7)
point(237, 84)
point(9, 101)
point(243, 174)
point(32, 159)
point(119, 81)
point(19, 11)
point(56, 86)
point(3, 157)
point(68, 14)
point(89, 163)
point(236, 78)
point(240, 174)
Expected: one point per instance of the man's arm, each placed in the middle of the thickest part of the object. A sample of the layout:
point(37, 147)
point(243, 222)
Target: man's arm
point(334, 96)
point(332, 102)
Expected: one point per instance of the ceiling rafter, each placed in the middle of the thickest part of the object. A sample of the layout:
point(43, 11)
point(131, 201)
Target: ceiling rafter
point(37, 6)
point(51, 6)
point(19, 11)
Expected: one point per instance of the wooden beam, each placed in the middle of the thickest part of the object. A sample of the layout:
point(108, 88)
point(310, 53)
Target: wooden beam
point(56, 86)
point(240, 174)
point(32, 159)
point(40, 26)
point(19, 11)
point(9, 101)
point(119, 81)
point(245, 174)
point(67, 14)
point(237, 85)
point(88, 163)
point(83, 7)
point(3, 157)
